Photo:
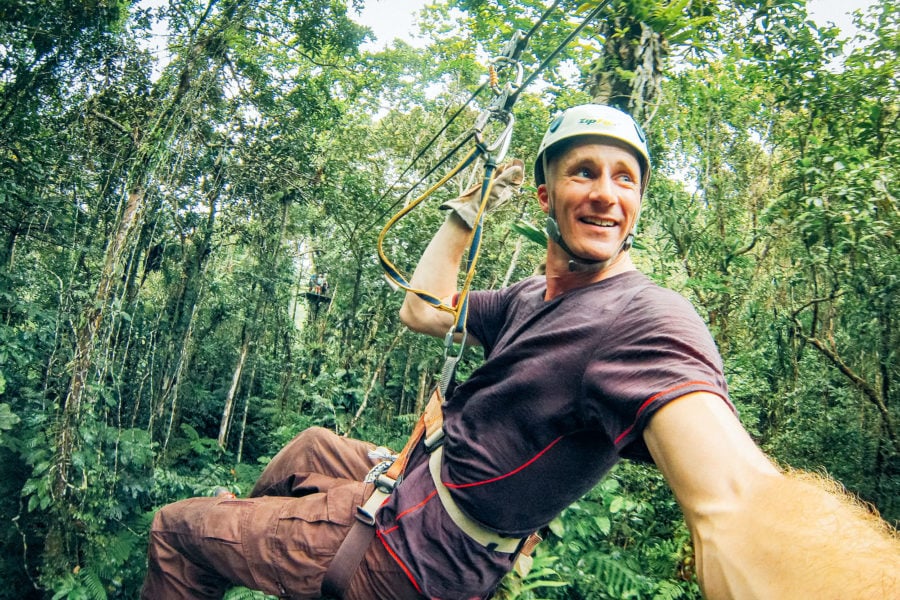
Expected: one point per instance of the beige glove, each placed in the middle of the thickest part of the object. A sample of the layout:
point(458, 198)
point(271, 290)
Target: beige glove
point(507, 181)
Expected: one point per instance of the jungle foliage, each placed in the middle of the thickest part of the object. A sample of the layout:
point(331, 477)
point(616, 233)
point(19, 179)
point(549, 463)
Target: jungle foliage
point(172, 174)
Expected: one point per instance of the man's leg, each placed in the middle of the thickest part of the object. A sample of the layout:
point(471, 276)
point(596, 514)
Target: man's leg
point(202, 546)
point(315, 460)
point(281, 539)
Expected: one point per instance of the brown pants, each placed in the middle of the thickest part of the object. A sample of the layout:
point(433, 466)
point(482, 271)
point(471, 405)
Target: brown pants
point(279, 540)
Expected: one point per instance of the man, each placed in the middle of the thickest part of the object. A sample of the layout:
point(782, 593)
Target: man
point(586, 364)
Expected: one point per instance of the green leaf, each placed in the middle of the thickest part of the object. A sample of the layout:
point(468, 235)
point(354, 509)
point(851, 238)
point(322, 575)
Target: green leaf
point(603, 524)
point(8, 419)
point(557, 527)
point(530, 232)
point(617, 504)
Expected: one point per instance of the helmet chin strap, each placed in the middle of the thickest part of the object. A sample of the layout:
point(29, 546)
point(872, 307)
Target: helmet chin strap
point(580, 264)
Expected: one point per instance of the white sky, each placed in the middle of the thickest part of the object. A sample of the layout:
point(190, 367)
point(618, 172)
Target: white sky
point(391, 19)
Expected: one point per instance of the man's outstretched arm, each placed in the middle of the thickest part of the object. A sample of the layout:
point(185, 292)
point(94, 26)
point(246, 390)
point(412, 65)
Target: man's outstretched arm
point(758, 532)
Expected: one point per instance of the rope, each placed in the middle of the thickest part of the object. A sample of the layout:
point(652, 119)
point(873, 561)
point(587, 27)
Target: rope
point(499, 109)
point(474, 242)
point(425, 149)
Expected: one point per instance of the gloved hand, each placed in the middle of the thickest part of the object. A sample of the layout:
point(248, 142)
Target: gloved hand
point(507, 181)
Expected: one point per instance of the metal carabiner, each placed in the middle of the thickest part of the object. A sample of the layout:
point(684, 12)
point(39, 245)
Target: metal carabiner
point(504, 97)
point(502, 93)
point(449, 367)
point(503, 139)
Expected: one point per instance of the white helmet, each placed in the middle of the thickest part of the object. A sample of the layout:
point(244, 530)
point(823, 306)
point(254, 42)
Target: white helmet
point(594, 120)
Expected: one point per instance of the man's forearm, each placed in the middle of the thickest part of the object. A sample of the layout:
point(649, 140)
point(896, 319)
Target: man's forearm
point(759, 533)
point(793, 537)
point(436, 272)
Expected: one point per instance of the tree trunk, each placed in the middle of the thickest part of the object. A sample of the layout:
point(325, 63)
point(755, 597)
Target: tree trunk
point(869, 391)
point(374, 379)
point(232, 391)
point(173, 386)
point(87, 333)
point(249, 395)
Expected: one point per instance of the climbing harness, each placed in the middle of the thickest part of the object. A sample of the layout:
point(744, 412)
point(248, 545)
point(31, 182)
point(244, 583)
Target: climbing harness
point(428, 430)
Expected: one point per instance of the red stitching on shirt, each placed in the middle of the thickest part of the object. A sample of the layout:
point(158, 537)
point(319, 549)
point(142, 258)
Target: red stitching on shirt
point(457, 486)
point(417, 506)
point(399, 562)
point(410, 510)
point(650, 400)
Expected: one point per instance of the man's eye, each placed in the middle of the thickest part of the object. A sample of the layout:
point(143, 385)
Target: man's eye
point(584, 172)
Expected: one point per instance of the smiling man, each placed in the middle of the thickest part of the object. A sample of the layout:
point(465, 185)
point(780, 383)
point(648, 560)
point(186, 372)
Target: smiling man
point(593, 362)
point(600, 168)
point(585, 365)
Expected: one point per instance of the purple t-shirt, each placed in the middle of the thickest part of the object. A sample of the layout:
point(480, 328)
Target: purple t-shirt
point(566, 389)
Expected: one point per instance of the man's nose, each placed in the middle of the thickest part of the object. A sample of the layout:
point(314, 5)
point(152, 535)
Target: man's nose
point(603, 188)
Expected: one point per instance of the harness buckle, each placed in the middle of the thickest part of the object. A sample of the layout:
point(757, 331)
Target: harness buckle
point(434, 441)
point(385, 483)
point(364, 516)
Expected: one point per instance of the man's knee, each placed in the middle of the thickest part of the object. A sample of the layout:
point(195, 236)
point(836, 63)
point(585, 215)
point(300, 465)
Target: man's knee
point(175, 567)
point(183, 517)
point(316, 435)
point(164, 520)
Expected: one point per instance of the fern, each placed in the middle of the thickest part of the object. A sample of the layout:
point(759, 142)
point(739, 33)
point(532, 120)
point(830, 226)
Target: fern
point(613, 577)
point(541, 575)
point(619, 579)
point(85, 584)
point(242, 593)
point(666, 590)
point(90, 579)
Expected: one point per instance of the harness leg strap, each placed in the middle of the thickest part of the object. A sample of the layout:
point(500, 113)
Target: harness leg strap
point(347, 560)
point(350, 554)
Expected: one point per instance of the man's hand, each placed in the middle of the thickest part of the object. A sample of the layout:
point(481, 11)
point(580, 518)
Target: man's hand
point(507, 181)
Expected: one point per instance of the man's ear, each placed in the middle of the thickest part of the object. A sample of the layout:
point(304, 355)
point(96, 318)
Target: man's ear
point(544, 198)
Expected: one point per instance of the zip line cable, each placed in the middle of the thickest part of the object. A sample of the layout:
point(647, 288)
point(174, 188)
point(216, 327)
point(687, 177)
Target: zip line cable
point(559, 49)
point(423, 151)
point(523, 42)
point(447, 156)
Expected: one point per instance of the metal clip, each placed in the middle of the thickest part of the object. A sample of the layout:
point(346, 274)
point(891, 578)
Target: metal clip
point(504, 97)
point(503, 140)
point(364, 516)
point(515, 45)
point(503, 93)
point(434, 441)
point(385, 484)
point(450, 361)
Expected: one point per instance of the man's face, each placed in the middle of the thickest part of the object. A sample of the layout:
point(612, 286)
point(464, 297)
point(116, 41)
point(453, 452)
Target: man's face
point(594, 188)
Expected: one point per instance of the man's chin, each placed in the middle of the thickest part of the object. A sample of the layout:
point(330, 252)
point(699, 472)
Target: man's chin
point(598, 252)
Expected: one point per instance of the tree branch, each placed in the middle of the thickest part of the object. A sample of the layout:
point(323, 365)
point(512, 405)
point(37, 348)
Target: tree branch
point(110, 121)
point(868, 391)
